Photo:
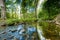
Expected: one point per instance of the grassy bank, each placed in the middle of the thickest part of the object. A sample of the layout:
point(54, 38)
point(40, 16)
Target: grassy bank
point(50, 29)
point(17, 21)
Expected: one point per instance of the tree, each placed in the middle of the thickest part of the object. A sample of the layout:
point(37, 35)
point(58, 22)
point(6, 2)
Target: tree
point(53, 7)
point(3, 9)
point(12, 6)
point(23, 5)
point(36, 1)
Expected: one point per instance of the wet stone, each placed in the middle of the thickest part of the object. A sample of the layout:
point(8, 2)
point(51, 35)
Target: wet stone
point(13, 30)
point(4, 32)
point(4, 39)
point(48, 39)
point(15, 38)
point(0, 33)
point(0, 37)
point(11, 36)
point(22, 31)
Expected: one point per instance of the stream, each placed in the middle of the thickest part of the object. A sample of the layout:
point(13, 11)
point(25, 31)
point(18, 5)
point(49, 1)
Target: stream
point(43, 31)
point(19, 32)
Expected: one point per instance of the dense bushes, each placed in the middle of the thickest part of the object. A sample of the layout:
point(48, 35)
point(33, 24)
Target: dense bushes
point(50, 9)
point(50, 29)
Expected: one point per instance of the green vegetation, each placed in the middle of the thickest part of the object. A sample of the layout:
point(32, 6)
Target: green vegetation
point(14, 12)
point(50, 29)
point(26, 10)
point(52, 8)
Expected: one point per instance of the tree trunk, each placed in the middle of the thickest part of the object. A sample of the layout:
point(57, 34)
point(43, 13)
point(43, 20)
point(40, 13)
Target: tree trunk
point(36, 2)
point(3, 15)
point(3, 11)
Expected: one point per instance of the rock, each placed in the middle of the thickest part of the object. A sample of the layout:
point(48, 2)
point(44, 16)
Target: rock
point(57, 19)
point(22, 38)
point(4, 39)
point(11, 36)
point(16, 23)
point(4, 32)
point(9, 30)
point(0, 37)
point(31, 30)
point(0, 33)
point(3, 23)
point(22, 31)
point(15, 38)
point(14, 30)
point(48, 39)
point(33, 38)
point(20, 27)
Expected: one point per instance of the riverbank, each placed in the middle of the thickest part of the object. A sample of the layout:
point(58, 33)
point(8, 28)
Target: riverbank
point(10, 22)
point(50, 30)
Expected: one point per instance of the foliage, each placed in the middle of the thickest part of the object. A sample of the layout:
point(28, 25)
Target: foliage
point(51, 30)
point(52, 8)
point(43, 15)
point(12, 21)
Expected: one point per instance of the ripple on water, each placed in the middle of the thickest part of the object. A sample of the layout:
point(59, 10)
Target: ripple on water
point(9, 35)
